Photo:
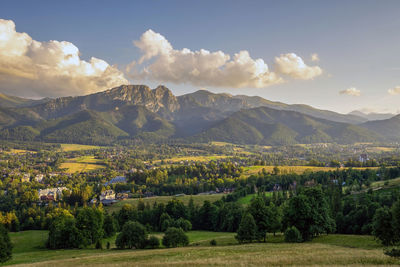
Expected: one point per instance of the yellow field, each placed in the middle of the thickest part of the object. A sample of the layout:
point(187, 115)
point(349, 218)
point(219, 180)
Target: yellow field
point(77, 147)
point(378, 149)
point(19, 151)
point(82, 164)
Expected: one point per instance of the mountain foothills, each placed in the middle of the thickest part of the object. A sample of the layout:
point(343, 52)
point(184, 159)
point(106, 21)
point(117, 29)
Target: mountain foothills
point(136, 111)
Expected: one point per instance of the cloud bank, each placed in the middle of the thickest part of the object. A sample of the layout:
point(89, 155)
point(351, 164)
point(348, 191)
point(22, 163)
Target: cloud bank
point(53, 68)
point(394, 91)
point(351, 91)
point(161, 62)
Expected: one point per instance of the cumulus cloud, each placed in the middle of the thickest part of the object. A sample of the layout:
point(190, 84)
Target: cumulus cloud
point(294, 66)
point(161, 62)
point(53, 68)
point(394, 91)
point(351, 91)
point(314, 57)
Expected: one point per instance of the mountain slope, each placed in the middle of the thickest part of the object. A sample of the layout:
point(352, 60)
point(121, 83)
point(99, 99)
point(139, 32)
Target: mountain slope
point(372, 116)
point(277, 127)
point(226, 103)
point(389, 128)
point(7, 101)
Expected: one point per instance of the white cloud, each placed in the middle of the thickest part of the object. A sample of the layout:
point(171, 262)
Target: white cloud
point(294, 66)
point(351, 91)
point(394, 91)
point(314, 57)
point(53, 68)
point(161, 62)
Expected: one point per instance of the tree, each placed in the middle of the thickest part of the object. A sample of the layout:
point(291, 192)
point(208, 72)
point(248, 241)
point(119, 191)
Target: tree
point(63, 233)
point(396, 221)
point(382, 226)
point(247, 231)
point(89, 221)
point(292, 235)
point(153, 242)
point(175, 237)
point(309, 213)
point(133, 235)
point(274, 218)
point(259, 212)
point(5, 245)
point(109, 226)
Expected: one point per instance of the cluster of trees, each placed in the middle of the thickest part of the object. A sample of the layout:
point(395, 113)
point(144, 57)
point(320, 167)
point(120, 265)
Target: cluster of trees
point(386, 224)
point(5, 245)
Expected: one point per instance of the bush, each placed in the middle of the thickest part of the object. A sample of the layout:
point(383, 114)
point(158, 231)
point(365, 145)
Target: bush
point(99, 245)
point(5, 245)
point(153, 242)
point(292, 235)
point(213, 242)
point(175, 237)
point(394, 252)
point(133, 235)
point(108, 245)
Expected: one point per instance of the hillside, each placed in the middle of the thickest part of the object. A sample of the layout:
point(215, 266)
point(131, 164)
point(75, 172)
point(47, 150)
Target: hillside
point(276, 127)
point(389, 128)
point(131, 111)
point(7, 101)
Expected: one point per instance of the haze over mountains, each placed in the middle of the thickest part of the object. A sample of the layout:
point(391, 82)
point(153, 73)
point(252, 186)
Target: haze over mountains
point(136, 111)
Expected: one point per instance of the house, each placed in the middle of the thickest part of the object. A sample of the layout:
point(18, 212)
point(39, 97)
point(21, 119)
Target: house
point(107, 195)
point(51, 193)
point(39, 178)
point(363, 158)
point(25, 177)
point(117, 180)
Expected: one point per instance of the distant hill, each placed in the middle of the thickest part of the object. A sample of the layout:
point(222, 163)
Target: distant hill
point(7, 101)
point(276, 127)
point(389, 128)
point(137, 111)
point(372, 116)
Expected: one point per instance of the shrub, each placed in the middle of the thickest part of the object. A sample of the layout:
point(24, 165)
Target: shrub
point(108, 245)
point(153, 242)
point(5, 245)
point(175, 237)
point(99, 245)
point(292, 235)
point(394, 252)
point(133, 235)
point(213, 242)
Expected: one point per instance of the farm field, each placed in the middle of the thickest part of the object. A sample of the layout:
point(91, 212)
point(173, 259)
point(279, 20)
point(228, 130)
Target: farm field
point(77, 147)
point(85, 163)
point(324, 250)
point(197, 199)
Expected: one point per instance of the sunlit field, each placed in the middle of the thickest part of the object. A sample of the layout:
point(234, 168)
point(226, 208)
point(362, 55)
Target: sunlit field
point(82, 164)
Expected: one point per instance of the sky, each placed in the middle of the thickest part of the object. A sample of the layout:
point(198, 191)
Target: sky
point(336, 55)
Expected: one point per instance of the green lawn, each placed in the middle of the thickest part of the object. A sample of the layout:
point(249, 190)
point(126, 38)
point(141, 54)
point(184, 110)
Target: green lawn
point(324, 250)
point(247, 199)
point(197, 199)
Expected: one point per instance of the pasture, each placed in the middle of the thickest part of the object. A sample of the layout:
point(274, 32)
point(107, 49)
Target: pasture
point(77, 147)
point(197, 199)
point(82, 164)
point(324, 250)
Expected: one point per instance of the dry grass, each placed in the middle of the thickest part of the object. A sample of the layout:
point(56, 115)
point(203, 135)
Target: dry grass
point(77, 147)
point(267, 254)
point(82, 164)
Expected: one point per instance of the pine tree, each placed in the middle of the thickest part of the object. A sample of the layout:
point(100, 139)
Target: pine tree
point(247, 229)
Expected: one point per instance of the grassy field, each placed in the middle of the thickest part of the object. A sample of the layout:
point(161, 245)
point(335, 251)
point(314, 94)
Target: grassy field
point(19, 151)
point(324, 250)
point(192, 158)
point(197, 199)
point(77, 147)
point(81, 164)
point(246, 200)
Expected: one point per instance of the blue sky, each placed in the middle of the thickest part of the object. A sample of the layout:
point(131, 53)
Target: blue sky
point(357, 42)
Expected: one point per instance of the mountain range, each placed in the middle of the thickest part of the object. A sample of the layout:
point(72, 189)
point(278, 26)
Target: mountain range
point(137, 111)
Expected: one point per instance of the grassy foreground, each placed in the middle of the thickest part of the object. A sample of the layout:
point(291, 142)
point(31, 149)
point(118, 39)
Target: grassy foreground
point(325, 250)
